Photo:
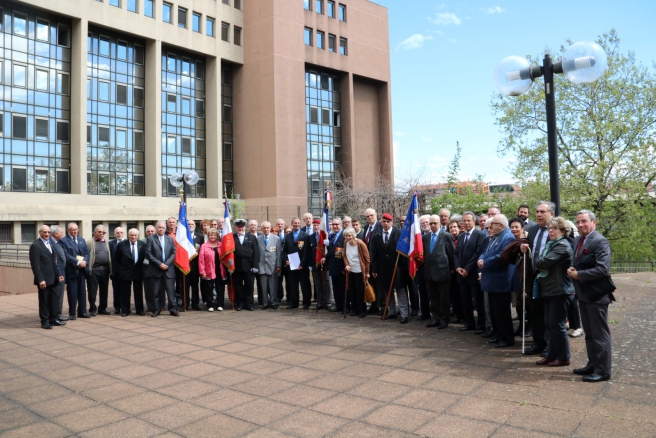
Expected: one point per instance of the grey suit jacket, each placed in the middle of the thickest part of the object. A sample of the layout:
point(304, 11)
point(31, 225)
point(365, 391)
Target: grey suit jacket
point(270, 255)
point(591, 263)
point(154, 257)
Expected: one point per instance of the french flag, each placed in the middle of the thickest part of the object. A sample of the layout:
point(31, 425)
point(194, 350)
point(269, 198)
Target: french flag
point(410, 244)
point(184, 243)
point(324, 227)
point(228, 240)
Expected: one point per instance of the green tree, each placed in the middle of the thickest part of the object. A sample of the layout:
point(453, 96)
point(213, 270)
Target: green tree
point(606, 134)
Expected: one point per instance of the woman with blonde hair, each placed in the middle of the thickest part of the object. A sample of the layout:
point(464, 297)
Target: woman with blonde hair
point(211, 271)
point(357, 266)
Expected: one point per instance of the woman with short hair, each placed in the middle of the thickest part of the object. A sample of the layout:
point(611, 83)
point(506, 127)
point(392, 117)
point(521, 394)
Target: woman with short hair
point(211, 270)
point(357, 266)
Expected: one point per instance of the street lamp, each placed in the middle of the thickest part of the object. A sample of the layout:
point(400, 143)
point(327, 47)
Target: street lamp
point(189, 178)
point(582, 63)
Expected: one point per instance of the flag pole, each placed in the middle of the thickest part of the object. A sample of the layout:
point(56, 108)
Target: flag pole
point(389, 293)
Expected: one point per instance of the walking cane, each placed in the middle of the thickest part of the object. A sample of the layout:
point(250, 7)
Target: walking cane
point(345, 294)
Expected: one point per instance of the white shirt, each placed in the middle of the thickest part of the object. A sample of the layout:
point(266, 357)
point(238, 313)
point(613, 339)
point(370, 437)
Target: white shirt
point(241, 238)
point(353, 258)
point(47, 244)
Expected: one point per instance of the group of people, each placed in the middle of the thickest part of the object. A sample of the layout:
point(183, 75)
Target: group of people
point(474, 269)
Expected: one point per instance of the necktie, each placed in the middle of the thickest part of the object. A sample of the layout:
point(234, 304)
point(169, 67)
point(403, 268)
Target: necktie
point(432, 242)
point(266, 241)
point(466, 239)
point(161, 241)
point(134, 253)
point(366, 238)
point(385, 237)
point(537, 246)
point(443, 228)
point(579, 246)
point(48, 246)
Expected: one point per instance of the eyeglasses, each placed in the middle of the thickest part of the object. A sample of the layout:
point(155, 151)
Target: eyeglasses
point(433, 223)
point(554, 228)
point(335, 225)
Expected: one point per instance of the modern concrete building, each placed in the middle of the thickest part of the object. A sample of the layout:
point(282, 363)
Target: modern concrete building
point(103, 100)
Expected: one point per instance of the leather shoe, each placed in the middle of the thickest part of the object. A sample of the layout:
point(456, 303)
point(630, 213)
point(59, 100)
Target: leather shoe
point(433, 323)
point(334, 309)
point(238, 308)
point(404, 320)
point(174, 313)
point(306, 307)
point(250, 308)
point(155, 313)
point(591, 378)
point(535, 349)
point(105, 312)
point(274, 307)
point(116, 312)
point(583, 371)
point(391, 316)
point(559, 363)
point(123, 315)
point(72, 317)
point(46, 326)
point(492, 340)
point(479, 332)
point(84, 315)
point(320, 306)
point(465, 329)
point(414, 313)
point(141, 312)
point(62, 318)
point(503, 345)
point(265, 307)
point(362, 315)
point(58, 323)
point(94, 313)
point(543, 361)
point(488, 334)
point(442, 326)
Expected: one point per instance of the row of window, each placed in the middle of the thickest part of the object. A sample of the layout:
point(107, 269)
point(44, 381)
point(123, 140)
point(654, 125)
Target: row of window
point(330, 10)
point(18, 22)
point(26, 76)
point(42, 128)
point(35, 179)
point(320, 41)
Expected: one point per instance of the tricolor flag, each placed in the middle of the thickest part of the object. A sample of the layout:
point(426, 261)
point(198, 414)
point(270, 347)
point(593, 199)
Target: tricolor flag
point(324, 227)
point(184, 243)
point(410, 244)
point(227, 241)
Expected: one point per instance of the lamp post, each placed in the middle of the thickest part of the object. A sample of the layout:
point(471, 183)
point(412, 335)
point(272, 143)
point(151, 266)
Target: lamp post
point(182, 180)
point(582, 63)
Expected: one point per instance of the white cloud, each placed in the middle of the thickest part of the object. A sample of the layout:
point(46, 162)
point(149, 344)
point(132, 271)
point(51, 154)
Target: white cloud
point(452, 40)
point(426, 139)
point(446, 19)
point(414, 42)
point(436, 32)
point(495, 10)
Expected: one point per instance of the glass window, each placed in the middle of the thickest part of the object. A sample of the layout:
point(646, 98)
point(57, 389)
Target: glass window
point(238, 4)
point(186, 145)
point(331, 9)
point(19, 126)
point(185, 66)
point(342, 12)
point(331, 42)
point(166, 12)
point(116, 3)
point(200, 108)
point(186, 106)
point(104, 46)
point(306, 5)
point(138, 141)
point(132, 5)
point(63, 35)
point(19, 75)
point(42, 80)
point(19, 179)
point(314, 114)
point(182, 17)
point(195, 22)
point(103, 91)
point(121, 139)
point(170, 103)
point(138, 185)
point(308, 36)
point(2, 132)
point(103, 136)
point(20, 24)
point(237, 36)
point(319, 6)
point(200, 70)
point(138, 54)
point(320, 40)
point(121, 94)
point(342, 46)
point(122, 50)
point(63, 81)
point(138, 96)
point(42, 30)
point(227, 113)
point(88, 134)
point(200, 147)
point(226, 2)
point(209, 26)
point(225, 28)
point(170, 62)
point(227, 151)
point(103, 183)
point(62, 131)
point(62, 181)
point(148, 8)
point(41, 128)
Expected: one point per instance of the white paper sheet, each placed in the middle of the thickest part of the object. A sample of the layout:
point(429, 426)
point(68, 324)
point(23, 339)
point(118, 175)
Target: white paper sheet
point(294, 261)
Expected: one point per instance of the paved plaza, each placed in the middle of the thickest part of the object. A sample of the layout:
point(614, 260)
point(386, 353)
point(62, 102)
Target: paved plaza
point(298, 373)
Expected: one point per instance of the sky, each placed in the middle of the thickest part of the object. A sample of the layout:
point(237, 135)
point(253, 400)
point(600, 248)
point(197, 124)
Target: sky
point(443, 55)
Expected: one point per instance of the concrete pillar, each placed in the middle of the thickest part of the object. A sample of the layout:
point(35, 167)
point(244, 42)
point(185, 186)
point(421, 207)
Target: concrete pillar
point(16, 235)
point(153, 118)
point(348, 125)
point(386, 148)
point(213, 118)
point(80, 30)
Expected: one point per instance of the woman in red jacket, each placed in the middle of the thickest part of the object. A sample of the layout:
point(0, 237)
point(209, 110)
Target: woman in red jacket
point(211, 270)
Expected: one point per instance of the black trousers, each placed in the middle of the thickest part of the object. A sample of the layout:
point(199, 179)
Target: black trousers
point(573, 314)
point(555, 316)
point(439, 295)
point(319, 289)
point(597, 336)
point(244, 286)
point(126, 288)
point(207, 289)
point(299, 277)
point(116, 292)
point(77, 294)
point(536, 312)
point(424, 304)
point(48, 304)
point(356, 293)
point(383, 281)
point(406, 282)
point(191, 287)
point(501, 316)
point(60, 297)
point(339, 286)
point(281, 290)
point(456, 302)
point(472, 297)
point(98, 280)
point(156, 289)
point(178, 286)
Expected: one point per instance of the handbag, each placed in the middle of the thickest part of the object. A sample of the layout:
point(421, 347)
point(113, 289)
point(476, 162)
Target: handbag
point(369, 295)
point(598, 289)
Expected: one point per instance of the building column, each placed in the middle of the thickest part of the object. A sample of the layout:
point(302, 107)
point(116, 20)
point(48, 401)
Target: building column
point(78, 172)
point(386, 147)
point(16, 234)
point(213, 129)
point(153, 118)
point(348, 125)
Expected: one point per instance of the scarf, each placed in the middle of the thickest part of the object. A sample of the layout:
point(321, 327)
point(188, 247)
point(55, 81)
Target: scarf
point(547, 247)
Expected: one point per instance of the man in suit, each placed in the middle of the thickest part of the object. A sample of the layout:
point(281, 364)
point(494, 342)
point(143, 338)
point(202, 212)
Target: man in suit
point(119, 235)
point(445, 216)
point(159, 274)
point(383, 258)
point(247, 262)
point(407, 283)
point(523, 213)
point(308, 219)
point(471, 245)
point(538, 237)
point(438, 265)
point(592, 262)
point(193, 277)
point(56, 234)
point(252, 228)
point(371, 229)
point(496, 280)
point(298, 242)
point(282, 275)
point(130, 255)
point(359, 232)
point(318, 272)
point(270, 249)
point(420, 280)
point(333, 262)
point(77, 258)
point(47, 274)
point(100, 265)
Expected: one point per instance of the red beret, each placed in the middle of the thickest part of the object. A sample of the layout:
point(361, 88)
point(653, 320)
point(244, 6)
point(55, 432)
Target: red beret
point(388, 217)
point(316, 221)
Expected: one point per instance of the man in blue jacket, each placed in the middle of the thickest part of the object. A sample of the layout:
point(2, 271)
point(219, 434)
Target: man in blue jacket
point(496, 280)
point(77, 257)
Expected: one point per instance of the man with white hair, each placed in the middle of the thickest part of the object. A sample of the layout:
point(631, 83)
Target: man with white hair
point(130, 255)
point(159, 275)
point(374, 228)
point(119, 235)
point(444, 215)
point(100, 265)
point(438, 264)
point(308, 228)
point(56, 234)
point(424, 304)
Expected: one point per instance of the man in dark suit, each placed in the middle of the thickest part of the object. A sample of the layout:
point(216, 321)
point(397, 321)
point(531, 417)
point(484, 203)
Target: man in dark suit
point(318, 273)
point(420, 279)
point(471, 245)
point(406, 282)
point(298, 242)
point(77, 258)
point(438, 265)
point(308, 228)
point(128, 270)
point(119, 235)
point(247, 262)
point(56, 234)
point(592, 262)
point(98, 270)
point(333, 262)
point(159, 274)
point(371, 229)
point(523, 213)
point(252, 229)
point(47, 274)
point(359, 232)
point(383, 258)
point(193, 277)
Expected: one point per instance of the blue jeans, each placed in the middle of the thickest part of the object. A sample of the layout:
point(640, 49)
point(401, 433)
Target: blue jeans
point(555, 316)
